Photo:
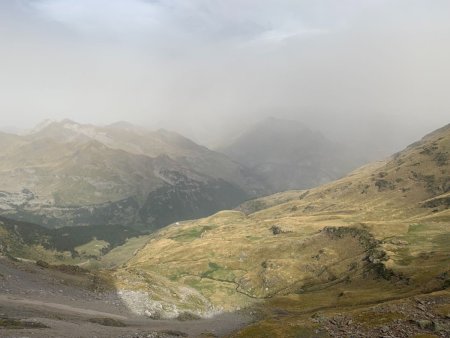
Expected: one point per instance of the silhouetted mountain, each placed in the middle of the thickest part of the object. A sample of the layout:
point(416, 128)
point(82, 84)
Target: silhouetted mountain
point(288, 155)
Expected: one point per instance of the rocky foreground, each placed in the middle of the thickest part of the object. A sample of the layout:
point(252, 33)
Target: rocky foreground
point(47, 302)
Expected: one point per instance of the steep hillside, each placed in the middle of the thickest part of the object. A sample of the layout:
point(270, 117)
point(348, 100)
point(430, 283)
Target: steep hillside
point(287, 155)
point(82, 245)
point(64, 173)
point(379, 233)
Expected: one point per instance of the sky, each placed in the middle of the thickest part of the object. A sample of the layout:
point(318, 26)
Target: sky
point(368, 71)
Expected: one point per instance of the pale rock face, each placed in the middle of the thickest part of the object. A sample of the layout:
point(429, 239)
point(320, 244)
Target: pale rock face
point(141, 303)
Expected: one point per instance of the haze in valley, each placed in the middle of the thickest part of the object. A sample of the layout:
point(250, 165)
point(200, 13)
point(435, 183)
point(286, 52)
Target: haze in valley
point(375, 73)
point(224, 168)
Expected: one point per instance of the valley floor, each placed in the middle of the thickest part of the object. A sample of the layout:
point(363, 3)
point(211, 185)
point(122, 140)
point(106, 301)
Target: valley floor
point(38, 302)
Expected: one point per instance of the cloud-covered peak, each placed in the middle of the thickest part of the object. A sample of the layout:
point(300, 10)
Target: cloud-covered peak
point(205, 67)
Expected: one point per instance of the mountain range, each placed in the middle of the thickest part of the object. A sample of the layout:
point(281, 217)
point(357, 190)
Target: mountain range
point(65, 173)
point(365, 255)
point(377, 233)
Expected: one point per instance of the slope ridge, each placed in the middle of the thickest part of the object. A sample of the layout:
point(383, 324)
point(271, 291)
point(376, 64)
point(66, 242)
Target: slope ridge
point(372, 227)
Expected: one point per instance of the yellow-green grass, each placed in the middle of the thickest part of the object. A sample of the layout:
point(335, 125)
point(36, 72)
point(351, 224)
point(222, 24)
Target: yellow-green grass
point(399, 244)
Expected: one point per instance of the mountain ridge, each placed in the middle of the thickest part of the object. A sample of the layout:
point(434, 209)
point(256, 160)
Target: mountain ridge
point(288, 155)
point(67, 165)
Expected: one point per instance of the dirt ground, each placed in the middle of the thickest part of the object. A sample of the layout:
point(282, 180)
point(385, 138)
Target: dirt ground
point(31, 296)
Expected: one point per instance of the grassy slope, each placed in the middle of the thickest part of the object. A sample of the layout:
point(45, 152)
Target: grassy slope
point(94, 246)
point(399, 245)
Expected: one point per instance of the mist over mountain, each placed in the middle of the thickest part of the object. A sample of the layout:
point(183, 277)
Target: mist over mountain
point(225, 168)
point(288, 155)
point(65, 173)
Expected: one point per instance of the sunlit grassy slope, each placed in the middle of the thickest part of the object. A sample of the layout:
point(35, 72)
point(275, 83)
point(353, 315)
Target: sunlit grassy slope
point(379, 233)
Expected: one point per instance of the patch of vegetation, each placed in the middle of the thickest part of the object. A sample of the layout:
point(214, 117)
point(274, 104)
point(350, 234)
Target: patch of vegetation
point(442, 240)
point(66, 239)
point(382, 174)
point(365, 189)
point(256, 330)
point(188, 235)
point(185, 316)
point(383, 272)
point(441, 159)
point(94, 249)
point(70, 269)
point(108, 322)
point(302, 196)
point(383, 184)
point(428, 150)
point(370, 318)
point(416, 227)
point(119, 255)
point(253, 206)
point(9, 323)
point(42, 264)
point(433, 184)
point(101, 282)
point(191, 234)
point(276, 230)
point(437, 202)
point(213, 267)
point(365, 237)
point(405, 257)
point(253, 238)
point(174, 333)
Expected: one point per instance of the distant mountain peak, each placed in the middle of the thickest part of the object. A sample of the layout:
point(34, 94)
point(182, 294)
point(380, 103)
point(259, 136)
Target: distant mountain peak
point(41, 125)
point(87, 174)
point(289, 155)
point(123, 125)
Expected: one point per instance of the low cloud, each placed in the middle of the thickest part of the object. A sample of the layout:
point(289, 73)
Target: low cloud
point(354, 69)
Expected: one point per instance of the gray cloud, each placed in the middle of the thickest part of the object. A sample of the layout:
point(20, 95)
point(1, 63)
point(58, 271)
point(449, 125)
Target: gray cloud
point(354, 69)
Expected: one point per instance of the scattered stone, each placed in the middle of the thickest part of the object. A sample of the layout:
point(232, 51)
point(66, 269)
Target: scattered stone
point(385, 329)
point(425, 324)
point(42, 264)
point(421, 307)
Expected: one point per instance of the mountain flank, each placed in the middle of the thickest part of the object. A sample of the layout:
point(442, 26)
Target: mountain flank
point(287, 155)
point(366, 255)
point(378, 234)
point(66, 174)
